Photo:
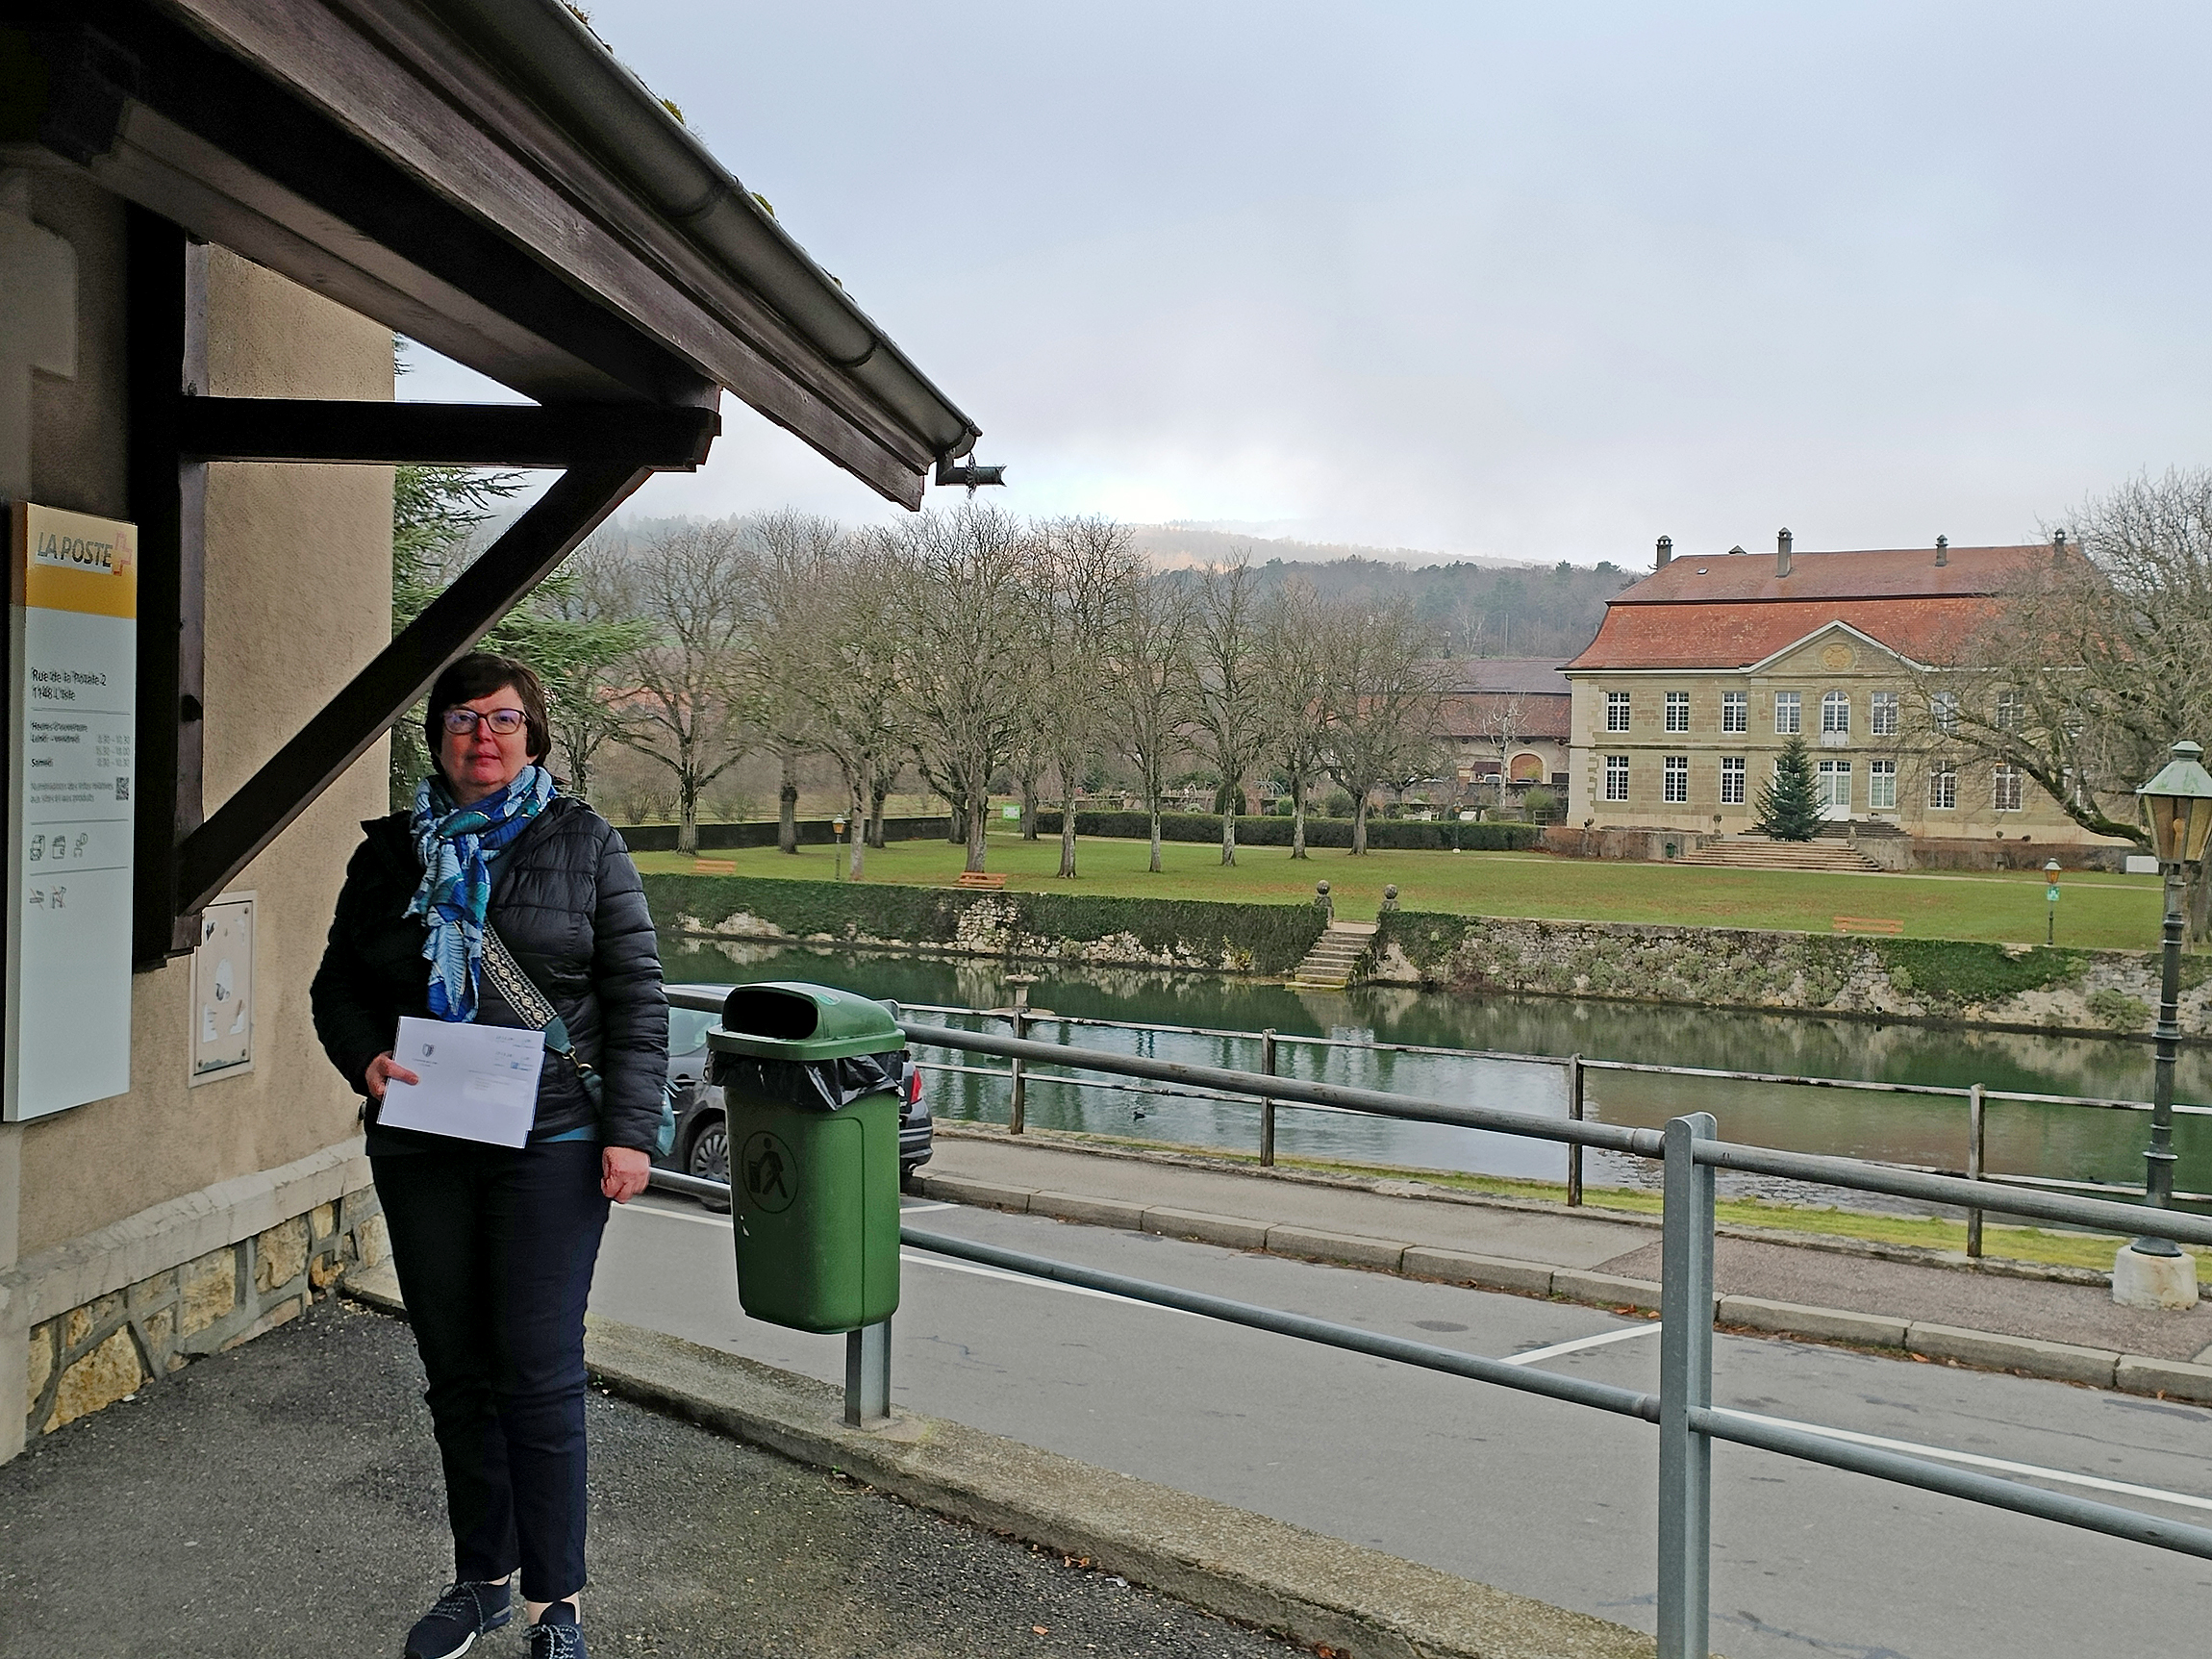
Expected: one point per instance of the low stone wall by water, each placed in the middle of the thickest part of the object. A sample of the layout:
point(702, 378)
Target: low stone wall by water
point(2030, 988)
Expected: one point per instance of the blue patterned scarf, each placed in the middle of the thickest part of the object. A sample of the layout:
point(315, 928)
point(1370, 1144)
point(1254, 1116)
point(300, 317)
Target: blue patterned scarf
point(456, 880)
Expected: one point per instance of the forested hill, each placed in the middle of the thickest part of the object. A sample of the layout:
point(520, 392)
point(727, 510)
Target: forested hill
point(1485, 610)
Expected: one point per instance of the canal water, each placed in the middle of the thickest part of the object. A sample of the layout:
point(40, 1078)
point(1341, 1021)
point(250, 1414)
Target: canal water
point(1930, 1131)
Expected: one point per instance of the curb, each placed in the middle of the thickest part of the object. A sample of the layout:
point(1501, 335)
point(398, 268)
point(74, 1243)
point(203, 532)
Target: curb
point(1986, 1351)
point(1266, 1573)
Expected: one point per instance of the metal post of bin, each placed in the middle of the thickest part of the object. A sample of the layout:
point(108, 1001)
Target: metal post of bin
point(1977, 1124)
point(868, 1374)
point(1685, 1386)
point(1574, 1078)
point(1267, 1107)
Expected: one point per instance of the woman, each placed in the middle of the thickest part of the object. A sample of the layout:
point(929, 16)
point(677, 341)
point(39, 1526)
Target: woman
point(495, 1244)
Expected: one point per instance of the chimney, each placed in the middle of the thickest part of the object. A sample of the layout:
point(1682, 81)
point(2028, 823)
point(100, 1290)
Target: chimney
point(1782, 554)
point(1665, 551)
point(2059, 547)
point(1942, 551)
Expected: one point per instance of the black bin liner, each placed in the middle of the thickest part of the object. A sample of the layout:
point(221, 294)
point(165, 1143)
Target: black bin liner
point(818, 1085)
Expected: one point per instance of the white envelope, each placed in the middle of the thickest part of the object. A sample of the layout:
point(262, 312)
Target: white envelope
point(479, 1082)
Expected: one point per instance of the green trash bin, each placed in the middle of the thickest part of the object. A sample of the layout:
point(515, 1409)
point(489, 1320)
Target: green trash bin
point(810, 1078)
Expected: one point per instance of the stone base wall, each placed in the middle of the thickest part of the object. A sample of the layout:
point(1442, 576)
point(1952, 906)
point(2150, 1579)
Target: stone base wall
point(108, 1348)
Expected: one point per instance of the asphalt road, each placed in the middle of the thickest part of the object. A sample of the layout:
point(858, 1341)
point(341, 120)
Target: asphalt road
point(285, 1499)
point(1546, 1499)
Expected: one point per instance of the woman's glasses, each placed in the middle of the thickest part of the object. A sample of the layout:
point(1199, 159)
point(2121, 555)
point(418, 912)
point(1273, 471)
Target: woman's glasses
point(462, 722)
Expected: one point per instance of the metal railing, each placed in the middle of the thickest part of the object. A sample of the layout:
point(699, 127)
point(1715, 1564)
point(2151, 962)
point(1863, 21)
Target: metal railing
point(1683, 1409)
point(1021, 1076)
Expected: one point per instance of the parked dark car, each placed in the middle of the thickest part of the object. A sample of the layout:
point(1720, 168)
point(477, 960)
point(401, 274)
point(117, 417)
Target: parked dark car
point(702, 1145)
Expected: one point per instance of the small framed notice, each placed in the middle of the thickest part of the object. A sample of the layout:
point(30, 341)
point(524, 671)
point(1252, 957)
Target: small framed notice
point(223, 989)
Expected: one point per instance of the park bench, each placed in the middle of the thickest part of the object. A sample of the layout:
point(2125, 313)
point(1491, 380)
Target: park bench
point(714, 866)
point(1868, 924)
point(979, 878)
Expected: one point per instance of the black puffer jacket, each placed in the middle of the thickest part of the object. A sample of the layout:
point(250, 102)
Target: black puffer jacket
point(567, 901)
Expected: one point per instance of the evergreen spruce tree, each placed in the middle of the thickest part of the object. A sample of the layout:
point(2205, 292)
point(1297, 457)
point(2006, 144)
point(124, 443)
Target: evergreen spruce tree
point(1789, 808)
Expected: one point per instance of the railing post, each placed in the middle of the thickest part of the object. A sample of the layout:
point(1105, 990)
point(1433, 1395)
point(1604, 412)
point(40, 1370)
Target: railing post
point(1685, 1385)
point(1267, 1107)
point(868, 1374)
point(1575, 1075)
point(1018, 1111)
point(1977, 1121)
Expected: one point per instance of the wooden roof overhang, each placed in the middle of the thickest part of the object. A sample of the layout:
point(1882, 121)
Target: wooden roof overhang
point(480, 175)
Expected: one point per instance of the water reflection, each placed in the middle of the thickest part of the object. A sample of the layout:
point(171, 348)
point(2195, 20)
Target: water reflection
point(2061, 1141)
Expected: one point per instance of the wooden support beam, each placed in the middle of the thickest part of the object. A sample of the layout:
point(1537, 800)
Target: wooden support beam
point(456, 433)
point(532, 548)
point(165, 359)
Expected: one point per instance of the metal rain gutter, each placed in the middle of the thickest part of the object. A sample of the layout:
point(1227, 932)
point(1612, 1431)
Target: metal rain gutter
point(564, 67)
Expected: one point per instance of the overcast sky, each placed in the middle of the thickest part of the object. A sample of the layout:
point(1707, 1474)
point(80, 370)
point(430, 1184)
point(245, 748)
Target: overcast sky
point(1531, 281)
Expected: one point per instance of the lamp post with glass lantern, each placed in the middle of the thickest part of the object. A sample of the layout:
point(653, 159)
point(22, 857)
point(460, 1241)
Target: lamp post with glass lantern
point(2050, 899)
point(2150, 1272)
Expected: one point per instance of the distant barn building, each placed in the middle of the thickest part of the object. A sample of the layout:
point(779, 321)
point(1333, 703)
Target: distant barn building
point(1507, 721)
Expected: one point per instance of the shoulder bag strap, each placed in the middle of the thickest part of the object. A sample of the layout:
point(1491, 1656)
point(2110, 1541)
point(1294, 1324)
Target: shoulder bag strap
point(521, 994)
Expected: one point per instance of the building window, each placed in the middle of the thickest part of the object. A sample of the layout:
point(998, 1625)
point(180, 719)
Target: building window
point(1943, 706)
point(1731, 780)
point(1836, 715)
point(1832, 786)
point(2011, 710)
point(1735, 711)
point(1943, 786)
point(1616, 710)
point(1882, 715)
point(2004, 791)
point(1676, 780)
point(1677, 710)
point(1881, 786)
point(1789, 714)
point(1616, 777)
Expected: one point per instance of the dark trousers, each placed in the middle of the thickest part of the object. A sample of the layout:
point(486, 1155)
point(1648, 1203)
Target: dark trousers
point(495, 1248)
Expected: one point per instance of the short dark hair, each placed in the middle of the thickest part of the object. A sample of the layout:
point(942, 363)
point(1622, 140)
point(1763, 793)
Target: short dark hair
point(479, 674)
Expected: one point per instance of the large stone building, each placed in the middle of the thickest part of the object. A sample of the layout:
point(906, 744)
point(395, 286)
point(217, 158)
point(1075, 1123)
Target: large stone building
point(1705, 668)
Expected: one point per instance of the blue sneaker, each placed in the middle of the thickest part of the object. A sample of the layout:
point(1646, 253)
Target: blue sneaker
point(556, 1635)
point(465, 1611)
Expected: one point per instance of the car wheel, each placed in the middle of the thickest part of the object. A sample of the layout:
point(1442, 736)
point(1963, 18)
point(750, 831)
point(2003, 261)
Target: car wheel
point(709, 1158)
point(909, 1176)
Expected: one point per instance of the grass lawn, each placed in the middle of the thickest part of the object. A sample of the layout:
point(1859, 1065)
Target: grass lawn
point(2104, 912)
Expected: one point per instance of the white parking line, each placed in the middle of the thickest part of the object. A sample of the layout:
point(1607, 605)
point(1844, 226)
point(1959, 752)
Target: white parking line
point(921, 1259)
point(696, 1218)
point(924, 1209)
point(1580, 1343)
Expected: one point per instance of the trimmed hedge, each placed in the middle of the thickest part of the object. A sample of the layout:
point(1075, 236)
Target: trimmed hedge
point(813, 832)
point(1257, 937)
point(1402, 834)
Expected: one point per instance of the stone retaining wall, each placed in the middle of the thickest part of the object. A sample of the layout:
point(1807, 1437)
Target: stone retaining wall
point(108, 1348)
point(2099, 993)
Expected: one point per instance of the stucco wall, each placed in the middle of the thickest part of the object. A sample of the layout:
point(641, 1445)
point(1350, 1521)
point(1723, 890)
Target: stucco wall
point(298, 598)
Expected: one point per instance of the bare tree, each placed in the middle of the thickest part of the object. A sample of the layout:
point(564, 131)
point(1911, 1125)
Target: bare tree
point(1294, 662)
point(585, 690)
point(965, 582)
point(691, 585)
point(1501, 723)
point(790, 551)
point(851, 681)
point(2096, 661)
point(1149, 681)
point(1229, 723)
point(1085, 563)
point(1383, 691)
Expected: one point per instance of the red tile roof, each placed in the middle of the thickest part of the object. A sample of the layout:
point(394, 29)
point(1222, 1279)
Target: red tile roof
point(1731, 610)
point(1527, 674)
point(1539, 713)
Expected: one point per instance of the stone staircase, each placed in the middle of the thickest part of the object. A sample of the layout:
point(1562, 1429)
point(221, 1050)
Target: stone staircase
point(1328, 965)
point(1758, 852)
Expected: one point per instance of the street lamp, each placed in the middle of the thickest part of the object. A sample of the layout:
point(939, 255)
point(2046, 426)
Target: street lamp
point(2150, 1271)
point(836, 840)
point(2050, 898)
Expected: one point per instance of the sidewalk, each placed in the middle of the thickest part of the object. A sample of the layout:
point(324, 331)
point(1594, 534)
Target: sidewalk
point(284, 1498)
point(1583, 1248)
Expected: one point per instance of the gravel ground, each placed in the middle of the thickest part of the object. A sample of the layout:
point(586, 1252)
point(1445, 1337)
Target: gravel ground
point(285, 1499)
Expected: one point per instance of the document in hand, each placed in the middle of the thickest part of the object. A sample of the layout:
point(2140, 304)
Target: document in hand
point(479, 1082)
